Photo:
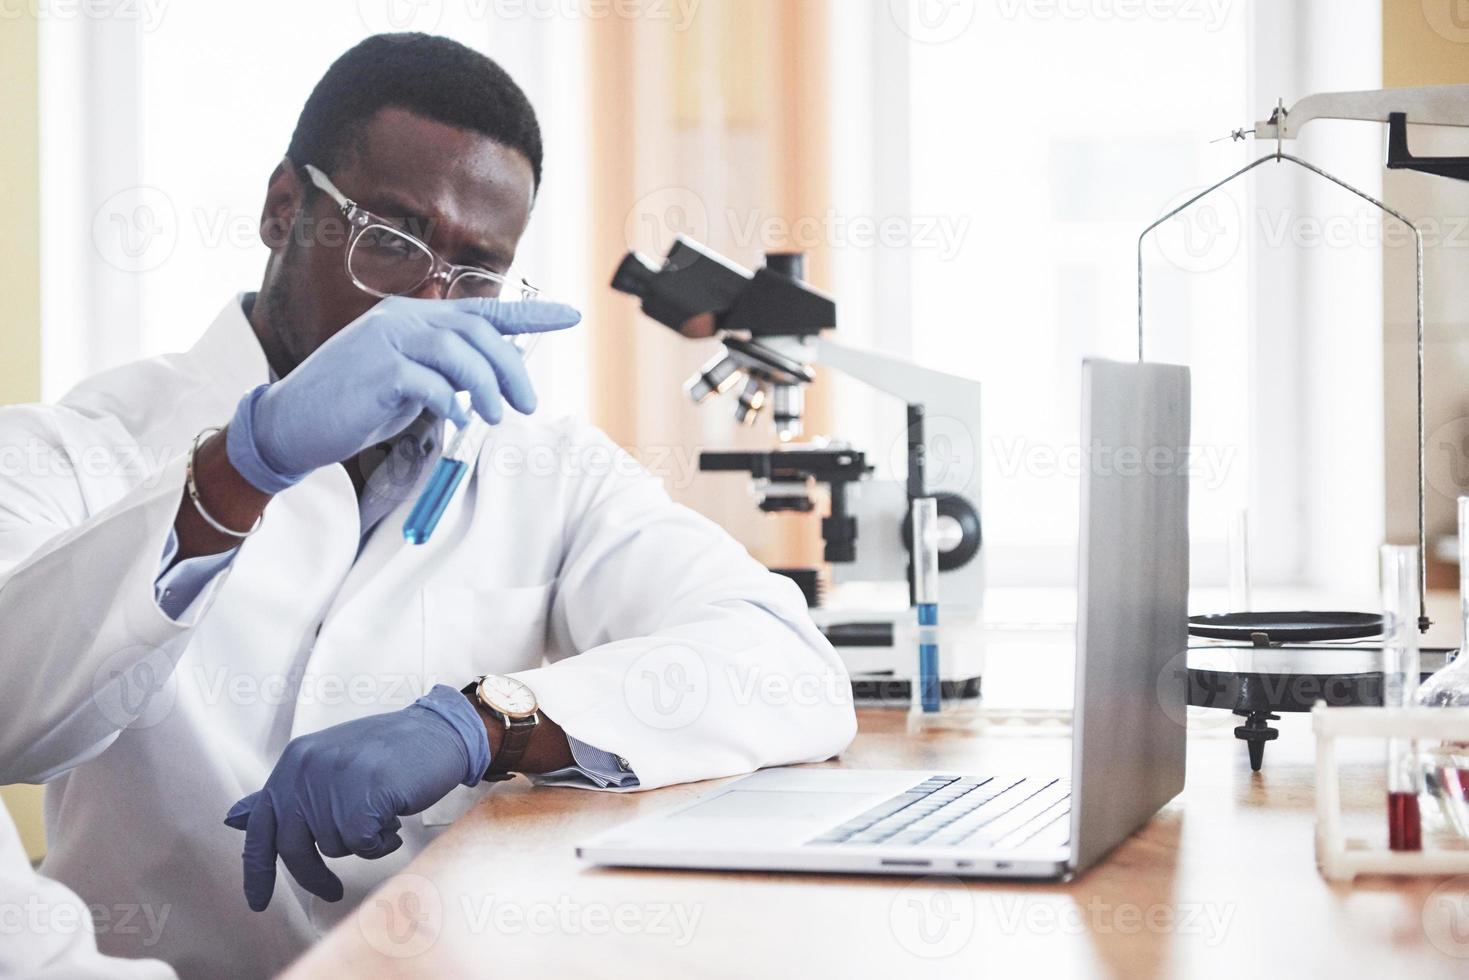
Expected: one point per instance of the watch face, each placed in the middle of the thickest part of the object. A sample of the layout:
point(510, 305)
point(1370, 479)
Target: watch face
point(507, 696)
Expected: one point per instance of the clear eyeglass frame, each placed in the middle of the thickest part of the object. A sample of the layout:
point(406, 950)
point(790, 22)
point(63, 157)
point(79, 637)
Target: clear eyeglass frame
point(459, 281)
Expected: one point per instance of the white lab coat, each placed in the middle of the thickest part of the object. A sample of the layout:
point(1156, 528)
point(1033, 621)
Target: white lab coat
point(46, 933)
point(642, 627)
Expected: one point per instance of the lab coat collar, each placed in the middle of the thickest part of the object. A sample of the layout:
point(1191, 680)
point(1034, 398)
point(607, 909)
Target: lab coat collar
point(230, 353)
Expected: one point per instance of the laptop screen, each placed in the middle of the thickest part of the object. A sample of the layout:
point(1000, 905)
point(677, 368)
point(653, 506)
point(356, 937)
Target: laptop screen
point(1132, 602)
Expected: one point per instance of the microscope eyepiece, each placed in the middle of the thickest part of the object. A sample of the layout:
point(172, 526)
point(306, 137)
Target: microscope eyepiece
point(635, 275)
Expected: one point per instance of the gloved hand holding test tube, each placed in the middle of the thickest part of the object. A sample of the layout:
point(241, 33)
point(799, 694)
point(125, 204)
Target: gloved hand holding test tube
point(458, 453)
point(370, 380)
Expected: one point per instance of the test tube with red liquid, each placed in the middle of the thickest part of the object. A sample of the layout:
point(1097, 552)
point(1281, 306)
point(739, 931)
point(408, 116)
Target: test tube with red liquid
point(1399, 683)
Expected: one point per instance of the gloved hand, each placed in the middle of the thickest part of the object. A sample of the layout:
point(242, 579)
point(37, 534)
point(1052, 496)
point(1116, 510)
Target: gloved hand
point(341, 790)
point(375, 376)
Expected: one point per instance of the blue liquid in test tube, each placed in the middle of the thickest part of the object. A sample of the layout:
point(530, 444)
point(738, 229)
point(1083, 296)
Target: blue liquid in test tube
point(928, 660)
point(926, 602)
point(442, 483)
point(449, 472)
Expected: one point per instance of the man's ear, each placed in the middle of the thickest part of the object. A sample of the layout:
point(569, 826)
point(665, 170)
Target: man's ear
point(284, 197)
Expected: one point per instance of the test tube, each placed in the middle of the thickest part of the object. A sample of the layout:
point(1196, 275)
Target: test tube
point(1400, 681)
point(1463, 575)
point(453, 463)
point(926, 600)
point(1239, 561)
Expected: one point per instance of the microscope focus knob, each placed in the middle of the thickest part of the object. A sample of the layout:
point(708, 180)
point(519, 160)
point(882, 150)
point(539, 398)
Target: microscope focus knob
point(960, 519)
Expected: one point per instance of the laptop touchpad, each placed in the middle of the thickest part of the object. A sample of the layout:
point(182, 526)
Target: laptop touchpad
point(778, 805)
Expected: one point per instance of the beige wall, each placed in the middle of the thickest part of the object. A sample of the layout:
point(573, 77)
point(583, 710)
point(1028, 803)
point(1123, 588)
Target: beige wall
point(20, 313)
point(1415, 48)
point(20, 307)
point(702, 130)
point(1423, 45)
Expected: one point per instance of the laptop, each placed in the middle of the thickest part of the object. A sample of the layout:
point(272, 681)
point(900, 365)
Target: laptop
point(1127, 754)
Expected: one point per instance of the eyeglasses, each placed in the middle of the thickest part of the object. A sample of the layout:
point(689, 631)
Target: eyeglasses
point(385, 260)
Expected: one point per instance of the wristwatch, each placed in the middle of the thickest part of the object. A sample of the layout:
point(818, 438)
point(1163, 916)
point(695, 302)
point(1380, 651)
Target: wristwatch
point(506, 700)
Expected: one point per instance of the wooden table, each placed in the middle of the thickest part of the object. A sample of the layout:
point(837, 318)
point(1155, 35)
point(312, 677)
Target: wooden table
point(1221, 883)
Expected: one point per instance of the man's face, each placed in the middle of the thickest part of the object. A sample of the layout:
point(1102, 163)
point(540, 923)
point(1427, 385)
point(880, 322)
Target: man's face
point(468, 197)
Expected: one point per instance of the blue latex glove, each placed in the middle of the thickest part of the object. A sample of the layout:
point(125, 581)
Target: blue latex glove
point(375, 376)
point(341, 790)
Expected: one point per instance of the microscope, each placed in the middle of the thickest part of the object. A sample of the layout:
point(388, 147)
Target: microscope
point(772, 329)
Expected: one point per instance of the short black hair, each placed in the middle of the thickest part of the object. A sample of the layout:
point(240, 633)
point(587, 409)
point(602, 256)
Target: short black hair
point(429, 76)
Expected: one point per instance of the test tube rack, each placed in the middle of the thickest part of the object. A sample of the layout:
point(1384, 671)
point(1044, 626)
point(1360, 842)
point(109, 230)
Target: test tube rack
point(1341, 858)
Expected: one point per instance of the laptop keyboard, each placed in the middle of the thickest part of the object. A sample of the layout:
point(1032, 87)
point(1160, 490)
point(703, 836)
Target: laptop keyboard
point(976, 812)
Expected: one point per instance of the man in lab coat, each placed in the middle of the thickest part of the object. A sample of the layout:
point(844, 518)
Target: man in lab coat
point(216, 637)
